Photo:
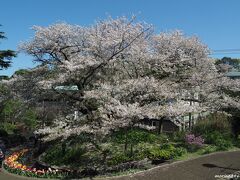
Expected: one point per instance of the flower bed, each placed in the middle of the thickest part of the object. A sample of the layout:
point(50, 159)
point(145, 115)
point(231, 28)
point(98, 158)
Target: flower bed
point(12, 165)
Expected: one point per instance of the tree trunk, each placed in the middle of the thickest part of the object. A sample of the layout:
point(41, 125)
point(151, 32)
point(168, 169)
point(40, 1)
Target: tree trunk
point(63, 148)
point(126, 141)
point(160, 126)
point(131, 153)
point(190, 121)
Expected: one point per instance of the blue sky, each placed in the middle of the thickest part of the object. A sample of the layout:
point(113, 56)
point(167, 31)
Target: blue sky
point(215, 22)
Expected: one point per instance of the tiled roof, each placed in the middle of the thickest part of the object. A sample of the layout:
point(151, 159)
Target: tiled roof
point(67, 88)
point(233, 74)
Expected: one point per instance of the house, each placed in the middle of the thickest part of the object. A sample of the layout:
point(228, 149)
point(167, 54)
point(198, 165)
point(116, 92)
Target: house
point(233, 75)
point(52, 104)
point(160, 125)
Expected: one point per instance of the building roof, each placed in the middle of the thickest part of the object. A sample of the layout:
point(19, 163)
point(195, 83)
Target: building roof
point(233, 74)
point(67, 88)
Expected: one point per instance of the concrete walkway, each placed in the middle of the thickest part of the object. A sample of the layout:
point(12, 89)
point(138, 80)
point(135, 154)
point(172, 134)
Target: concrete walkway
point(4, 176)
point(203, 168)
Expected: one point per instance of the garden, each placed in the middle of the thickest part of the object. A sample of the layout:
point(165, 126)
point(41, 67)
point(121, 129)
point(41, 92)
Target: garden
point(97, 101)
point(124, 151)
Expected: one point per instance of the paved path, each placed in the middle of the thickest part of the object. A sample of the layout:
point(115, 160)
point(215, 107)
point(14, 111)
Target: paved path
point(4, 176)
point(203, 168)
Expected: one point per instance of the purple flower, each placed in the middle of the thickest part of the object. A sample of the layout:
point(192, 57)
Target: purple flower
point(191, 139)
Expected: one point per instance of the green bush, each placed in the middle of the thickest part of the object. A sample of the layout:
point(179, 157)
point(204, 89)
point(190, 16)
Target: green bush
point(165, 152)
point(159, 154)
point(134, 136)
point(3, 132)
point(175, 151)
point(215, 122)
point(237, 142)
point(119, 158)
point(74, 155)
point(30, 118)
point(178, 136)
point(162, 138)
point(222, 141)
point(179, 151)
point(55, 155)
point(11, 108)
point(208, 149)
point(8, 127)
point(223, 144)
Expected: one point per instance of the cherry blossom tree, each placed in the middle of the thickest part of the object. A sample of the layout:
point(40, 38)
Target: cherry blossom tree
point(125, 72)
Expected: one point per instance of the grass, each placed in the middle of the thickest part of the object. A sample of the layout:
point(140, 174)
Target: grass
point(199, 153)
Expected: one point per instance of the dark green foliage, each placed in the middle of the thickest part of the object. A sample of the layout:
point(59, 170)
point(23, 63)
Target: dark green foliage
point(5, 55)
point(222, 141)
point(119, 158)
point(166, 152)
point(16, 139)
point(235, 63)
point(178, 136)
point(82, 152)
point(216, 130)
point(71, 156)
point(8, 127)
point(214, 122)
point(180, 151)
point(237, 142)
point(11, 110)
point(208, 149)
point(159, 154)
point(3, 133)
point(22, 72)
point(134, 136)
point(30, 118)
point(4, 77)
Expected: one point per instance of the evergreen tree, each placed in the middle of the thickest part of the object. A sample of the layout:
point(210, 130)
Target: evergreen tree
point(5, 55)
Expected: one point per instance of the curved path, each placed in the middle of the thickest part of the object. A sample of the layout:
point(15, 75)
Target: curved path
point(202, 168)
point(4, 176)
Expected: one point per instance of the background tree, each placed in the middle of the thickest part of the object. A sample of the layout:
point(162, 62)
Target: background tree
point(228, 64)
point(5, 55)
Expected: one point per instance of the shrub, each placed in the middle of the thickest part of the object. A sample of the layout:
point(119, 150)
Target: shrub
point(179, 151)
point(193, 142)
point(237, 142)
point(223, 144)
point(208, 149)
point(72, 155)
point(163, 138)
point(30, 118)
point(178, 136)
point(159, 154)
point(165, 152)
point(119, 158)
point(134, 136)
point(3, 133)
point(8, 127)
point(222, 141)
point(215, 122)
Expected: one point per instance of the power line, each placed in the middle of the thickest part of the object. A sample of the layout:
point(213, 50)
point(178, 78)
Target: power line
point(225, 51)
